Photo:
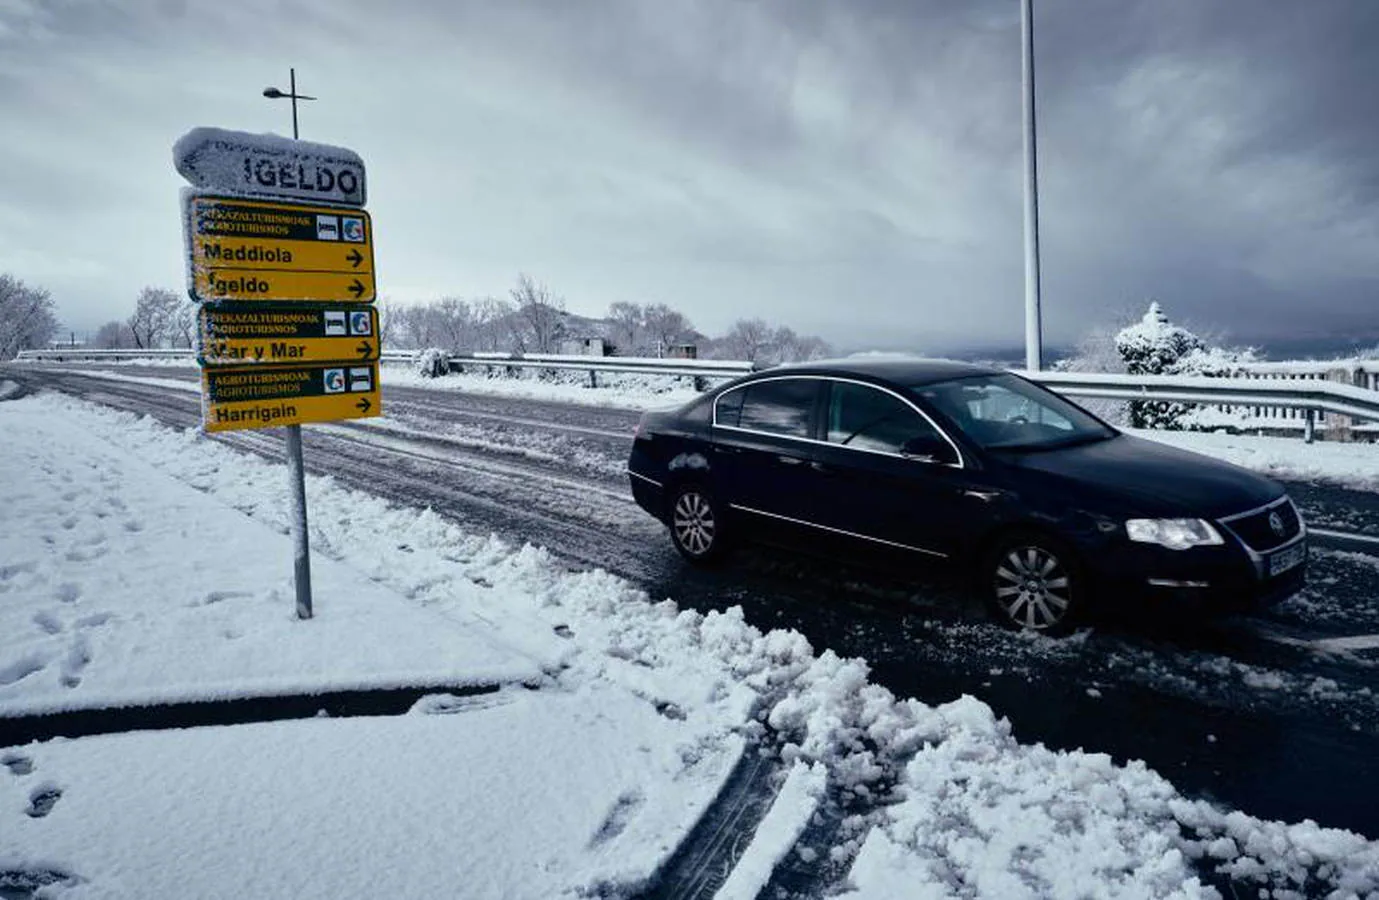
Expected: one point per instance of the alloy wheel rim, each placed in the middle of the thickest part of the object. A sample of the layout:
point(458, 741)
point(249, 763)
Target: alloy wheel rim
point(694, 523)
point(1033, 588)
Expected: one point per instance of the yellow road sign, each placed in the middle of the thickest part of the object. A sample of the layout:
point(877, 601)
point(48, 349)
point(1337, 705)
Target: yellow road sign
point(240, 333)
point(256, 251)
point(264, 397)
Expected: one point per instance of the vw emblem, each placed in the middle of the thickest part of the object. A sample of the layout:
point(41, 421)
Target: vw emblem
point(1276, 523)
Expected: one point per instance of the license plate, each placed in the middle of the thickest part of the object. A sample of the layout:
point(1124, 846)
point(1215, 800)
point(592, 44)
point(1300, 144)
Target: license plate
point(1284, 560)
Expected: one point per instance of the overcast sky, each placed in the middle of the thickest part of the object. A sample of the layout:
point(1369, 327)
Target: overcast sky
point(849, 168)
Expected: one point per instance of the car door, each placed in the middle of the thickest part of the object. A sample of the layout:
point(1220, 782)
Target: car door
point(763, 441)
point(893, 477)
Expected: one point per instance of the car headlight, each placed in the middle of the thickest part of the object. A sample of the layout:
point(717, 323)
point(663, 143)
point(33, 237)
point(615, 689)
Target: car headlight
point(1175, 534)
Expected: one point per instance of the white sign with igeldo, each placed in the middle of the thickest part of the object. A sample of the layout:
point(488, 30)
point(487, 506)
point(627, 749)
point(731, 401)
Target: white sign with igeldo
point(270, 166)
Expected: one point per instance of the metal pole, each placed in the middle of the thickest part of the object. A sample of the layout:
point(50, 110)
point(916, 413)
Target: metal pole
point(301, 551)
point(296, 477)
point(1034, 338)
point(292, 86)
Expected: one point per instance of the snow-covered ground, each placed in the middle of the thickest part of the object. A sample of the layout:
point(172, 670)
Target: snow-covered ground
point(580, 787)
point(1350, 465)
point(125, 587)
point(626, 390)
point(143, 565)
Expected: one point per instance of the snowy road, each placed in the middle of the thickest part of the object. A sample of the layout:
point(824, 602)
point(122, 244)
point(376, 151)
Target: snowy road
point(1276, 715)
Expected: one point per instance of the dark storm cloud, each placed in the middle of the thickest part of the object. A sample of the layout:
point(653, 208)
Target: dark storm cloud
point(846, 167)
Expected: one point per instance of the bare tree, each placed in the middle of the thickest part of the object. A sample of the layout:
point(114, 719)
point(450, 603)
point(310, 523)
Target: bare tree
point(489, 315)
point(153, 316)
point(748, 339)
point(27, 318)
point(540, 315)
point(665, 326)
point(182, 326)
point(453, 322)
point(628, 321)
point(387, 324)
point(787, 346)
point(113, 335)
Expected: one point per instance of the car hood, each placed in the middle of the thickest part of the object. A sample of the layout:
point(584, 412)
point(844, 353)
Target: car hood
point(1153, 479)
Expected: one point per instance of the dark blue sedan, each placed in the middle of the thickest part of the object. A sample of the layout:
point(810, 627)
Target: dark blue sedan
point(1053, 509)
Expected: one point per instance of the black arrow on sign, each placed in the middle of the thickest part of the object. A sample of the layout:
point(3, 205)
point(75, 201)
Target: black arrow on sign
point(363, 405)
point(357, 289)
point(355, 257)
point(364, 349)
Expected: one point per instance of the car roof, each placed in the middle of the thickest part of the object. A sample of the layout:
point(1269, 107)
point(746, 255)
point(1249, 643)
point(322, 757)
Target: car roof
point(907, 370)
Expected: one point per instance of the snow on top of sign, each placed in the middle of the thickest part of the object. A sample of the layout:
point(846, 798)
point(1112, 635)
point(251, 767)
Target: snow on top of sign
point(242, 162)
point(266, 142)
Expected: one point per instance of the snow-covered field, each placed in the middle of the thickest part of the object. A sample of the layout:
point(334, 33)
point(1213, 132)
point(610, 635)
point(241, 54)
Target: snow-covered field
point(627, 390)
point(582, 786)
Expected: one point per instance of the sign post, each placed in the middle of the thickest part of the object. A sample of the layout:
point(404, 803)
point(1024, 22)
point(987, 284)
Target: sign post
point(287, 333)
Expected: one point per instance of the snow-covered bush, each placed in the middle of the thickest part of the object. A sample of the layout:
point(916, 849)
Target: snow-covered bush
point(432, 362)
point(1155, 346)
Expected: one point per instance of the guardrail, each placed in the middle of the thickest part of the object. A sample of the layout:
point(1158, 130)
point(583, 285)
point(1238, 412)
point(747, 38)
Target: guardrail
point(82, 355)
point(1305, 396)
point(696, 368)
point(1308, 395)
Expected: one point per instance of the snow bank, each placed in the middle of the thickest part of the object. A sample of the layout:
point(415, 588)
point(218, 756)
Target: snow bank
point(1351, 465)
point(984, 816)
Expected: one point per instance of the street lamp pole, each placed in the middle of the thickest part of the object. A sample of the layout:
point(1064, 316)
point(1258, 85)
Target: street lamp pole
point(1034, 336)
point(273, 93)
point(296, 476)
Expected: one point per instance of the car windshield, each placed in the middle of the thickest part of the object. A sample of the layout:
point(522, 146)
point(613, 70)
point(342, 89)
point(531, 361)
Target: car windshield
point(1003, 412)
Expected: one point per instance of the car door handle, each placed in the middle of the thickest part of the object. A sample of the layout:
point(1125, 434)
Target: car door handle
point(823, 468)
point(790, 460)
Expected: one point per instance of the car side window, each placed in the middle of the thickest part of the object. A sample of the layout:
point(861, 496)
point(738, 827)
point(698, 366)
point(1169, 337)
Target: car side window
point(783, 406)
point(867, 419)
point(727, 408)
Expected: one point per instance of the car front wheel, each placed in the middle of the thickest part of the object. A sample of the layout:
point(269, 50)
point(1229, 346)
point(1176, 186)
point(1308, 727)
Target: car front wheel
point(1032, 583)
point(696, 524)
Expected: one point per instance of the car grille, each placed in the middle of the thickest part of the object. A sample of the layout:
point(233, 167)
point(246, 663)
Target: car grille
point(1257, 532)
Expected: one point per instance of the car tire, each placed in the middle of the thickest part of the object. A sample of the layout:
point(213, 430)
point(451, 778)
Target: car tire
point(1033, 582)
point(696, 524)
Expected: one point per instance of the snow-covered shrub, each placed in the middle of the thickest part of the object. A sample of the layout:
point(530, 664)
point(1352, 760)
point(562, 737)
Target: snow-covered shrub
point(1155, 346)
point(432, 362)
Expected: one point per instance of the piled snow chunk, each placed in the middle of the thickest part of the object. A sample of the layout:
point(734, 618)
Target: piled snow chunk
point(984, 816)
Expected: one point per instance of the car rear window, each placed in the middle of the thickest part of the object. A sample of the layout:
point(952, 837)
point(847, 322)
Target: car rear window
point(783, 406)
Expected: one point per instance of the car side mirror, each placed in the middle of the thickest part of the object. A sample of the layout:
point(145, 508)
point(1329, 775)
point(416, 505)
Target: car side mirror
point(928, 449)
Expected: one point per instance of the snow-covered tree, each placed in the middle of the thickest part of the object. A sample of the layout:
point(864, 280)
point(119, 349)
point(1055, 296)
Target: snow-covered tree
point(113, 335)
point(154, 314)
point(1155, 346)
point(27, 318)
